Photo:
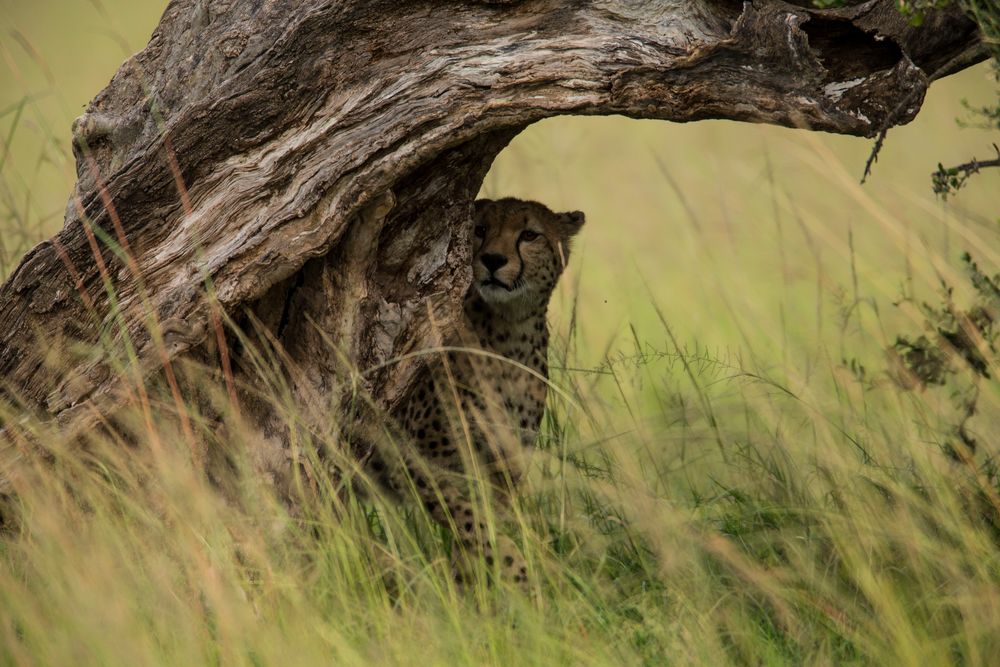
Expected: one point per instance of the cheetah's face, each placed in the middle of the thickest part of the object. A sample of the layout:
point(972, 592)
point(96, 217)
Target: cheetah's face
point(520, 249)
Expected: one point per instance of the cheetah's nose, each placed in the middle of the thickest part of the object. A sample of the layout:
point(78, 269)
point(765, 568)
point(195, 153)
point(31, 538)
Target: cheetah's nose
point(493, 261)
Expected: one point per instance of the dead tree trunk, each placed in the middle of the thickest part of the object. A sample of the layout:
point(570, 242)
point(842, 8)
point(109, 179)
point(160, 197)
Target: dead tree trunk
point(315, 161)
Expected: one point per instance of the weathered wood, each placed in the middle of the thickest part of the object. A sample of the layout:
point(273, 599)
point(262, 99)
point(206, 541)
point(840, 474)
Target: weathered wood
point(316, 160)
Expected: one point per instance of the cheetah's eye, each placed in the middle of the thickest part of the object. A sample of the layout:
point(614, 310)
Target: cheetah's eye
point(480, 231)
point(528, 235)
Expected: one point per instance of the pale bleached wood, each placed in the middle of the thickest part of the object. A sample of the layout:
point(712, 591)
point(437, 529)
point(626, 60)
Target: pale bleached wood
point(317, 159)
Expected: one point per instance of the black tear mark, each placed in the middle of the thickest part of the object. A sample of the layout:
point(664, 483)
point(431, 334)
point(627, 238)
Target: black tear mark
point(848, 52)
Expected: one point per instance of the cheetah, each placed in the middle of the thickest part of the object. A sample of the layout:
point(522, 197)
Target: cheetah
point(478, 408)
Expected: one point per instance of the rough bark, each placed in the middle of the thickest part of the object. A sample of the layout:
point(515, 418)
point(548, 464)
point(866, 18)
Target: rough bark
point(316, 160)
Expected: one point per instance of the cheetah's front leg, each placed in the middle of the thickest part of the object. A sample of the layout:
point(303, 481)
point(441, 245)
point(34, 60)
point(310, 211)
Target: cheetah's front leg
point(449, 505)
point(504, 553)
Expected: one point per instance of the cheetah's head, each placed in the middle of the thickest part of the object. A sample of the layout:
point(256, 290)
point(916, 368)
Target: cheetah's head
point(521, 248)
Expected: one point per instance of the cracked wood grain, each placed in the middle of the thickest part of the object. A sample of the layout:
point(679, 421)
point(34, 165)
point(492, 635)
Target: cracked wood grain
point(243, 145)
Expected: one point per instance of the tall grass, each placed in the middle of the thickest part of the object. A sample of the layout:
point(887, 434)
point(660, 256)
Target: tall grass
point(729, 473)
point(683, 507)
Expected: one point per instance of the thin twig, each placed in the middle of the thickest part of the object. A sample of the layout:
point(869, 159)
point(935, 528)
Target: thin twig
point(953, 178)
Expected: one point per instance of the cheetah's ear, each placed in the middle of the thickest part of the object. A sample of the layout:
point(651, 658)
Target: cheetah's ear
point(571, 222)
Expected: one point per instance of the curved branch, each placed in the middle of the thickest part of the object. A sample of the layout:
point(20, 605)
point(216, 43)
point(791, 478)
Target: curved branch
point(252, 142)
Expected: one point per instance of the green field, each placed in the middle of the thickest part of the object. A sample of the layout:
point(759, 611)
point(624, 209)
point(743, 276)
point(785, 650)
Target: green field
point(729, 473)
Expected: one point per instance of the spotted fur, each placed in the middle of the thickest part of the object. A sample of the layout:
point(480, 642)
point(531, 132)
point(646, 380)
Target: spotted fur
point(478, 409)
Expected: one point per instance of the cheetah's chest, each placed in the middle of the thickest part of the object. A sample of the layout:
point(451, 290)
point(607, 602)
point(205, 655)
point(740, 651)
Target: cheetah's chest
point(517, 373)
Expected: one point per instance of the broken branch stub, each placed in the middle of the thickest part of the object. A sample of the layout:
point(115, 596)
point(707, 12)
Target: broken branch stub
point(315, 161)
